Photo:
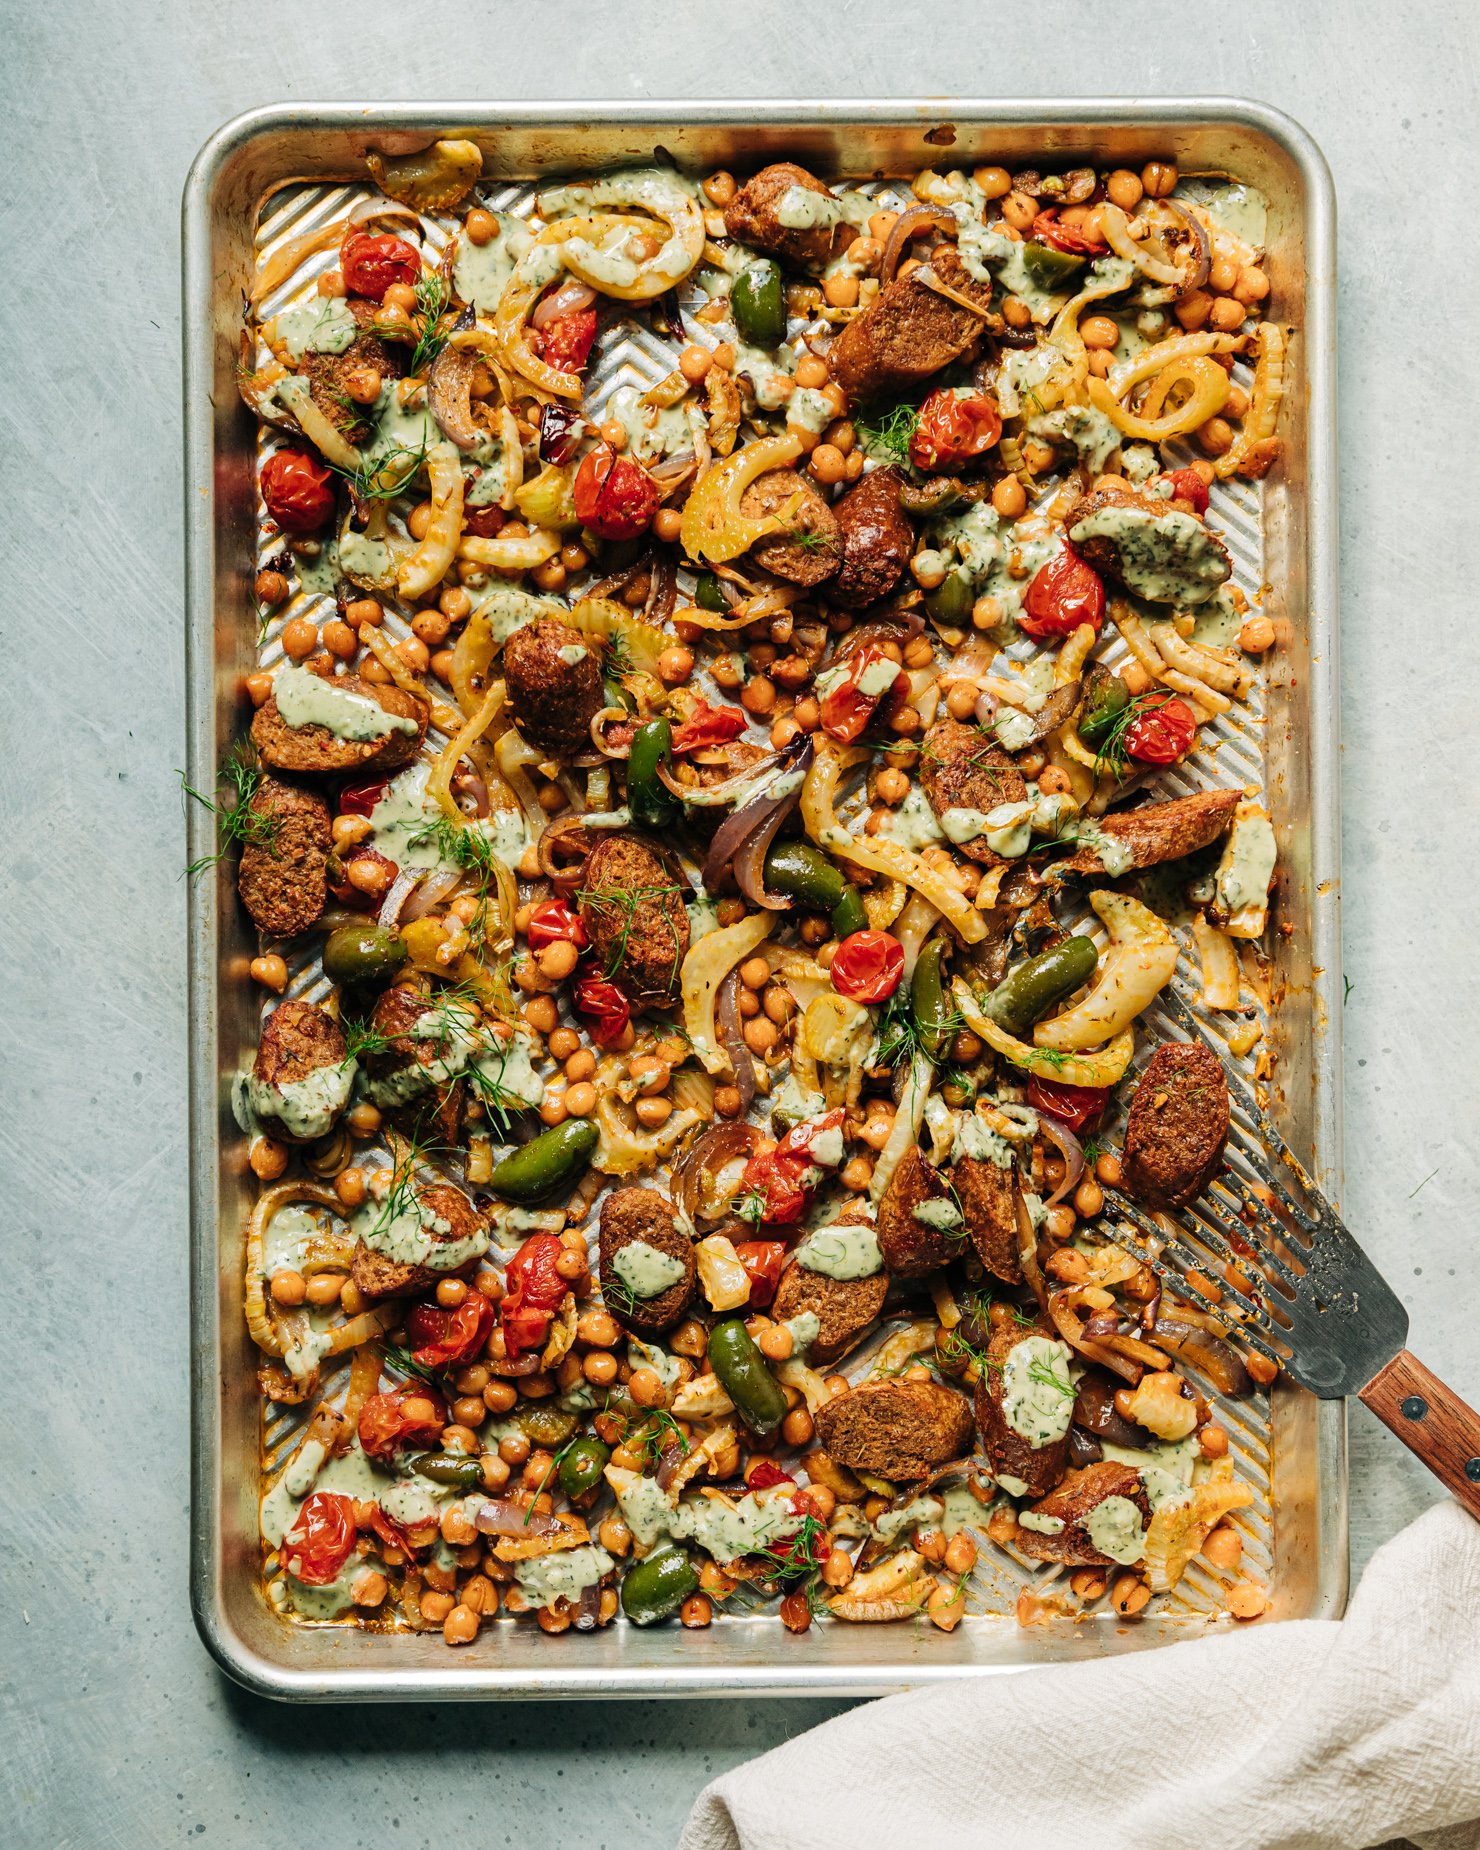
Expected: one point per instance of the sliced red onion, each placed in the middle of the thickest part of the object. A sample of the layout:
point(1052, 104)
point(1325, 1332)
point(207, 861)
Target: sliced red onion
point(764, 814)
point(568, 299)
point(1072, 1151)
point(725, 1143)
point(732, 1037)
point(433, 889)
point(668, 1464)
point(587, 1613)
point(503, 1516)
point(717, 796)
point(390, 906)
point(1191, 1342)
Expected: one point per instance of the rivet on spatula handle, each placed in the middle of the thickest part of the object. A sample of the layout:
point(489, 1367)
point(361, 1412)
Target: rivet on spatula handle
point(1432, 1421)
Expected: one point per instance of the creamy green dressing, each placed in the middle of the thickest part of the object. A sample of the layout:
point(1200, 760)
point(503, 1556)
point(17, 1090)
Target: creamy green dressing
point(769, 373)
point(324, 325)
point(610, 261)
point(458, 1043)
point(325, 1602)
point(1091, 434)
point(647, 1271)
point(403, 1229)
point(918, 1513)
point(809, 410)
point(1037, 1394)
point(1036, 1520)
point(1014, 1486)
point(976, 1140)
point(1054, 815)
point(481, 272)
point(352, 1475)
point(405, 435)
point(995, 259)
point(505, 610)
point(791, 1103)
point(563, 1575)
point(913, 824)
point(1243, 211)
point(363, 557)
point(804, 1329)
point(305, 1107)
point(306, 699)
point(1115, 855)
point(1167, 558)
point(1013, 728)
point(984, 547)
point(286, 1237)
point(653, 431)
point(1247, 864)
point(942, 1214)
point(642, 1354)
point(1218, 622)
point(801, 209)
point(1116, 1529)
point(844, 1250)
point(317, 565)
point(1166, 1466)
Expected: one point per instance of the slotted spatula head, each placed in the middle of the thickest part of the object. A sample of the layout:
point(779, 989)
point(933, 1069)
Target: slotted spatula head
point(1293, 1280)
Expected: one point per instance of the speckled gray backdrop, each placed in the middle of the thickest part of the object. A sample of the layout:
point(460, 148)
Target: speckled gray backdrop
point(116, 1730)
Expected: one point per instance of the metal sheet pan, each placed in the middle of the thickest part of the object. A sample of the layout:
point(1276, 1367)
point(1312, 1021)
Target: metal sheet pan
point(1283, 532)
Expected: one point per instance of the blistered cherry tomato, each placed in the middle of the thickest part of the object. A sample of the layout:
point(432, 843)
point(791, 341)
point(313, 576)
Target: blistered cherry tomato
point(385, 1426)
point(707, 726)
point(1048, 230)
point(868, 967)
point(771, 1192)
point(555, 923)
point(371, 264)
point(360, 799)
point(1161, 730)
point(533, 1291)
point(1188, 485)
point(1080, 1107)
point(952, 431)
point(1064, 594)
point(298, 490)
point(447, 1338)
point(872, 679)
point(604, 1006)
point(321, 1539)
point(765, 1474)
point(394, 1534)
point(763, 1260)
point(614, 496)
point(484, 521)
point(564, 342)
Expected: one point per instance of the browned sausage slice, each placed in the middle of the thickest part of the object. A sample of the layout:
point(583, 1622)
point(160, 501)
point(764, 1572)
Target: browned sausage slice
point(429, 1111)
point(877, 540)
point(1074, 1504)
point(962, 768)
point(632, 909)
point(554, 682)
point(1158, 832)
point(1009, 1452)
point(282, 876)
point(632, 1216)
point(1152, 550)
point(758, 213)
point(313, 749)
point(845, 1308)
point(326, 372)
point(449, 1217)
point(920, 1226)
point(810, 548)
point(897, 1429)
point(301, 1075)
point(988, 1197)
point(910, 330)
point(1177, 1126)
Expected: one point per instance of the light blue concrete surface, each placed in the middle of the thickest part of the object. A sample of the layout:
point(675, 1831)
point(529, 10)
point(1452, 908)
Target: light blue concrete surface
point(114, 1728)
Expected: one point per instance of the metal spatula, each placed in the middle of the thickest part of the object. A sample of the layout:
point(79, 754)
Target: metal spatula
point(1314, 1302)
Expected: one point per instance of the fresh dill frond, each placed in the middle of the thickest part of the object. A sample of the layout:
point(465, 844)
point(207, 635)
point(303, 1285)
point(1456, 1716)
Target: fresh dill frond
point(891, 433)
point(751, 1206)
point(377, 480)
point(1046, 1376)
point(806, 539)
point(795, 1557)
point(403, 1362)
point(238, 825)
point(621, 902)
point(1112, 754)
point(653, 1438)
point(619, 1294)
point(554, 1465)
point(431, 304)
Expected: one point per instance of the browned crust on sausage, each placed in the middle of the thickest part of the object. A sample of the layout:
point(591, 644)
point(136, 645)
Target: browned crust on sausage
point(988, 1197)
point(326, 372)
point(1073, 1502)
point(1163, 831)
point(1100, 551)
point(788, 557)
point(554, 701)
point(282, 881)
point(434, 1116)
point(309, 751)
point(297, 1040)
point(1177, 1126)
point(845, 1308)
point(961, 768)
point(910, 1248)
point(630, 1214)
point(639, 943)
point(909, 331)
point(751, 217)
point(896, 1429)
point(877, 540)
point(1039, 1466)
point(378, 1276)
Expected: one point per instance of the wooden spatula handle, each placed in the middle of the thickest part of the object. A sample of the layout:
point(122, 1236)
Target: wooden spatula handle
point(1432, 1421)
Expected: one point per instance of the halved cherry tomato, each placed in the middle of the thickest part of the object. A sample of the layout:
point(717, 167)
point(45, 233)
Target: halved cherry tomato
point(763, 1260)
point(394, 1534)
point(707, 726)
point(564, 342)
point(848, 707)
point(1048, 230)
point(1064, 594)
point(484, 521)
point(605, 1007)
point(386, 1425)
point(321, 1539)
point(868, 967)
point(1162, 730)
point(952, 431)
point(1188, 485)
point(764, 1474)
point(447, 1338)
point(371, 264)
point(533, 1291)
point(360, 799)
point(614, 496)
point(555, 923)
point(783, 1179)
point(1080, 1107)
point(298, 490)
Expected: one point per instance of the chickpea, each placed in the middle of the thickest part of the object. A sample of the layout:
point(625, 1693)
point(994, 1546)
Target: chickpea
point(300, 638)
point(599, 1368)
point(1129, 1594)
point(726, 1102)
point(549, 1618)
point(556, 962)
point(775, 1342)
point(761, 1034)
point(646, 1388)
point(1107, 1170)
point(1252, 285)
point(1224, 1548)
point(758, 695)
point(1088, 1584)
point(840, 291)
point(811, 373)
point(364, 611)
point(414, 653)
point(960, 1553)
point(580, 1100)
point(919, 652)
point(363, 1119)
point(1099, 331)
point(724, 356)
point(1212, 1440)
point(481, 226)
point(694, 362)
point(797, 1427)
point(1016, 313)
point(856, 1174)
point(267, 1159)
point(720, 188)
point(947, 1607)
point(369, 1589)
point(1124, 189)
point(995, 182)
point(271, 972)
point(1215, 436)
point(696, 1612)
point(1019, 211)
point(1069, 1266)
point(514, 1450)
point(986, 613)
point(1060, 1223)
point(1246, 1599)
point(837, 1569)
point(1135, 677)
point(891, 786)
point(1009, 497)
point(1159, 178)
point(499, 1396)
point(1226, 314)
point(258, 688)
point(436, 1606)
point(431, 627)
point(1089, 1198)
point(324, 1289)
point(1256, 636)
point(288, 1288)
point(1222, 275)
point(540, 1013)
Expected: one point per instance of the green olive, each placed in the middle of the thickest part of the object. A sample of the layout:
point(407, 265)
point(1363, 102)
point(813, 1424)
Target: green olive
point(951, 600)
point(552, 1160)
point(707, 593)
point(581, 1466)
point(363, 953)
point(543, 1423)
point(758, 304)
point(1050, 268)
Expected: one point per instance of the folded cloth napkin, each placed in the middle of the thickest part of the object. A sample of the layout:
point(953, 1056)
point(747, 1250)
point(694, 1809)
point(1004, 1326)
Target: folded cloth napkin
point(1311, 1735)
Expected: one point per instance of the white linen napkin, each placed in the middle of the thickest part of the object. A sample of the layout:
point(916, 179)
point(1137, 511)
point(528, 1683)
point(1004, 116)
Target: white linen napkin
point(1309, 1735)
